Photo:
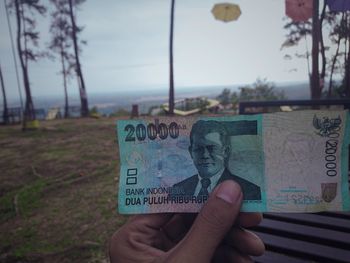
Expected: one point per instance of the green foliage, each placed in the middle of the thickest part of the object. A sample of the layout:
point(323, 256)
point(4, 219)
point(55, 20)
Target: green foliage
point(260, 90)
point(338, 91)
point(94, 112)
point(29, 197)
point(28, 11)
point(29, 234)
point(296, 32)
point(224, 97)
point(7, 209)
point(120, 113)
point(33, 244)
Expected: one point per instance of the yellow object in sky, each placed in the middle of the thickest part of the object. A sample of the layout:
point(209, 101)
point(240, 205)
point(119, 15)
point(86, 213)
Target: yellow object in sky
point(226, 12)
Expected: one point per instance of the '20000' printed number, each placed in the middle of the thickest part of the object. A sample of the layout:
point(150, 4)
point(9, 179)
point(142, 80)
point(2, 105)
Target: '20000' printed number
point(152, 131)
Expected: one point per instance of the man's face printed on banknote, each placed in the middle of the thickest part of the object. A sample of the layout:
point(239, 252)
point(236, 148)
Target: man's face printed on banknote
point(208, 153)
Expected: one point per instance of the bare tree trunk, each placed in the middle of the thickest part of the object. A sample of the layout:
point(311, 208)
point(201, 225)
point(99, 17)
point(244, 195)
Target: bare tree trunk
point(29, 113)
point(330, 85)
point(346, 41)
point(82, 89)
point(347, 64)
point(66, 111)
point(323, 51)
point(171, 62)
point(24, 30)
point(5, 114)
point(315, 78)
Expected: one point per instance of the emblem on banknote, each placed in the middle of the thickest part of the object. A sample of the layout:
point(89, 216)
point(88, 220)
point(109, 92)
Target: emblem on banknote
point(329, 191)
point(326, 125)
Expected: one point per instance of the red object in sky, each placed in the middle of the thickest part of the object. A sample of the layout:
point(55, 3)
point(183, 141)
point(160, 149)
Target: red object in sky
point(299, 10)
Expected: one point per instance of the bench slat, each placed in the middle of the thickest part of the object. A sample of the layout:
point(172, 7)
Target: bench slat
point(272, 257)
point(304, 249)
point(334, 223)
point(305, 233)
point(345, 215)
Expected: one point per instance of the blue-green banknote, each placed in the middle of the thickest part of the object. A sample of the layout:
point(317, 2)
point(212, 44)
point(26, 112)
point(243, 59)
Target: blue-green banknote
point(284, 162)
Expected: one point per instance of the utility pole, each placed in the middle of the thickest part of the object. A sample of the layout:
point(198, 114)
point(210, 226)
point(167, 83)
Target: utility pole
point(171, 84)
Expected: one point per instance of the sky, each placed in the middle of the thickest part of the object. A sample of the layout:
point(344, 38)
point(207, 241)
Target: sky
point(128, 47)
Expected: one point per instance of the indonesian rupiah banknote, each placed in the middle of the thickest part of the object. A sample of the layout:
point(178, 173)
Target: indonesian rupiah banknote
point(284, 162)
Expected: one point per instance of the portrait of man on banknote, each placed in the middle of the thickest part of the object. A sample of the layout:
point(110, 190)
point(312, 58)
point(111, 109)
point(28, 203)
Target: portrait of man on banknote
point(210, 150)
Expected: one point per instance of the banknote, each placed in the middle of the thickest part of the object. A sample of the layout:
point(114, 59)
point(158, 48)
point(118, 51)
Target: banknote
point(284, 162)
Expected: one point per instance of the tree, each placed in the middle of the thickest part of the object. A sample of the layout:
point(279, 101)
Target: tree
point(74, 35)
point(298, 31)
point(14, 55)
point(27, 40)
point(171, 63)
point(336, 36)
point(346, 80)
point(225, 97)
point(260, 90)
point(337, 26)
point(316, 89)
point(61, 43)
point(5, 114)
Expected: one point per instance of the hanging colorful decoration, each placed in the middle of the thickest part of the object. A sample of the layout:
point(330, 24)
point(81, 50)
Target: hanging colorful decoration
point(226, 12)
point(299, 10)
point(338, 5)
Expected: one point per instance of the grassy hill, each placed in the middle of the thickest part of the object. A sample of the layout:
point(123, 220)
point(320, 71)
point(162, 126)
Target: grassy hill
point(58, 191)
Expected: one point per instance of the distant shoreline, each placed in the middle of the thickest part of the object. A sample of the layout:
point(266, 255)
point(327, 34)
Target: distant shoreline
point(110, 102)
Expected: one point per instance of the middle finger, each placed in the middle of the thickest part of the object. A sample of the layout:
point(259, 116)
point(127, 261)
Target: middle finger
point(245, 241)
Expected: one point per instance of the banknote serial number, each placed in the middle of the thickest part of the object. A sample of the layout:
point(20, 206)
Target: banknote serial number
point(152, 131)
point(299, 199)
point(330, 153)
point(305, 199)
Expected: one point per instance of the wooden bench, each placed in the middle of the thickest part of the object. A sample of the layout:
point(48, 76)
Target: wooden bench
point(321, 237)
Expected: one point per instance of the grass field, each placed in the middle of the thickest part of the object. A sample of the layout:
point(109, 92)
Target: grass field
point(58, 191)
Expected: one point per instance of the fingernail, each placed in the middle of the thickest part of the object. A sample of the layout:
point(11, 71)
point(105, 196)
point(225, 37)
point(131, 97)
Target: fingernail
point(229, 191)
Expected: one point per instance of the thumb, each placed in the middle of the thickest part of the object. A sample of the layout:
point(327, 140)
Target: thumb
point(212, 224)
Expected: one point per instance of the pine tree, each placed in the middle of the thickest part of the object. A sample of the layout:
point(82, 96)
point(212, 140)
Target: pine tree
point(75, 31)
point(61, 44)
point(27, 41)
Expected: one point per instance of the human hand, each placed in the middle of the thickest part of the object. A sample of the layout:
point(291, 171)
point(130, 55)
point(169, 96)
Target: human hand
point(215, 235)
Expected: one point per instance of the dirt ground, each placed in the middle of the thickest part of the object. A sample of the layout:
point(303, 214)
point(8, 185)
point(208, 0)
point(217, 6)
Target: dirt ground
point(58, 191)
